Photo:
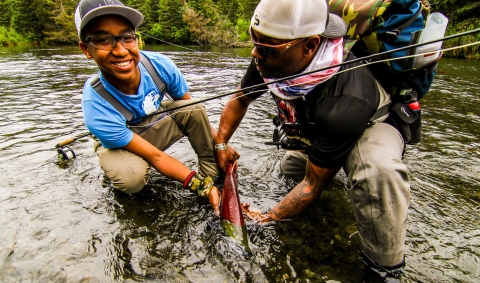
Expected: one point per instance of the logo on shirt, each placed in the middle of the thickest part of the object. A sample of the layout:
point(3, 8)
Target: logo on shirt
point(150, 104)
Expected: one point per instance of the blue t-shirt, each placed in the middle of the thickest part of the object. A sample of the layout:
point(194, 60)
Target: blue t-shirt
point(108, 124)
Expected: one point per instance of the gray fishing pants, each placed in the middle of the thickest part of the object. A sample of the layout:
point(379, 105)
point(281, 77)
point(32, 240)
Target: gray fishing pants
point(378, 188)
point(129, 172)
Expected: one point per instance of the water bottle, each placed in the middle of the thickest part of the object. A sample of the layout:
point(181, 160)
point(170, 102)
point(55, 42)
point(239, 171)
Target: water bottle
point(435, 28)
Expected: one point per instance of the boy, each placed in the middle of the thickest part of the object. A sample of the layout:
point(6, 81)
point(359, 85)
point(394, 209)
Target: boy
point(128, 149)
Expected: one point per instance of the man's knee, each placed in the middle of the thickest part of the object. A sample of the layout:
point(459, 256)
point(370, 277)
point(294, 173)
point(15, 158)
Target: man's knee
point(208, 168)
point(377, 155)
point(293, 164)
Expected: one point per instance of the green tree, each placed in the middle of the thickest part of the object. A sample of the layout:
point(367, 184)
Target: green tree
point(228, 9)
point(63, 29)
point(170, 24)
point(31, 18)
point(463, 16)
point(6, 15)
point(152, 15)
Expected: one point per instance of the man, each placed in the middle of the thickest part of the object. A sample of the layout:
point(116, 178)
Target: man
point(339, 116)
point(128, 150)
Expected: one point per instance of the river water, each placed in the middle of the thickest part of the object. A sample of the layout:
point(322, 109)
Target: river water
point(62, 222)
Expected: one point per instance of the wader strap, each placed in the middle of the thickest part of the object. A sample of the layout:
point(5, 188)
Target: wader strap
point(100, 89)
point(384, 108)
point(382, 111)
point(153, 73)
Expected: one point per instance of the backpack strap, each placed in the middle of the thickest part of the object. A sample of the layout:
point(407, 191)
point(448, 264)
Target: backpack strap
point(153, 73)
point(383, 108)
point(100, 88)
point(392, 35)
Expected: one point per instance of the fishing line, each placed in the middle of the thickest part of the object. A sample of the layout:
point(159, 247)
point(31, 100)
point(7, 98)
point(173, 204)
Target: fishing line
point(365, 58)
point(183, 47)
point(252, 90)
point(364, 64)
point(71, 140)
point(339, 72)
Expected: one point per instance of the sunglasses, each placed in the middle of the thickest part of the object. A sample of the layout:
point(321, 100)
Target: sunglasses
point(273, 50)
point(108, 42)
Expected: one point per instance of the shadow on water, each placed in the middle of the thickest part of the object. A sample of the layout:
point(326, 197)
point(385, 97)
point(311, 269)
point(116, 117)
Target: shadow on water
point(65, 223)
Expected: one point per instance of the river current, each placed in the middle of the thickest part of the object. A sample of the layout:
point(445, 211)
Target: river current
point(62, 222)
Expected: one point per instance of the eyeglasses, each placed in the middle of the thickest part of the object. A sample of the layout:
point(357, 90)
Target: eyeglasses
point(108, 42)
point(273, 50)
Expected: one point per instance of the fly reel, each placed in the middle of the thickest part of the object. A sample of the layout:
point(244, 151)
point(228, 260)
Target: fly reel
point(66, 153)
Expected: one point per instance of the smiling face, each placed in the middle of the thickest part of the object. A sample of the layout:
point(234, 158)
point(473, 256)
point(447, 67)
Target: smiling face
point(291, 61)
point(118, 66)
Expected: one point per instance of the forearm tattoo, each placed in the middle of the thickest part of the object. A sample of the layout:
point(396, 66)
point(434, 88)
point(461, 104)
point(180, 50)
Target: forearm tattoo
point(306, 192)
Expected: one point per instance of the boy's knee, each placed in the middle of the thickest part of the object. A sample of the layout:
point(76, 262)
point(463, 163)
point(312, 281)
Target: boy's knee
point(130, 185)
point(126, 171)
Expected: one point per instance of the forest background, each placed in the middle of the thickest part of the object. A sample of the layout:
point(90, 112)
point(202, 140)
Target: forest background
point(206, 22)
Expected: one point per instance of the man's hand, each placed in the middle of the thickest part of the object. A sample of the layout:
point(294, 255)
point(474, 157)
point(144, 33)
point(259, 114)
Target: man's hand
point(255, 214)
point(214, 200)
point(230, 155)
point(307, 191)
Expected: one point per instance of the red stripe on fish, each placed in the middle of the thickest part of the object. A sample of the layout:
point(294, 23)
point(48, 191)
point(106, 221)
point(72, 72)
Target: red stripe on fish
point(230, 204)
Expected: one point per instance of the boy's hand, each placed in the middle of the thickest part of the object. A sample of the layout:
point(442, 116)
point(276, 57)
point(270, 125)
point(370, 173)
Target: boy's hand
point(214, 200)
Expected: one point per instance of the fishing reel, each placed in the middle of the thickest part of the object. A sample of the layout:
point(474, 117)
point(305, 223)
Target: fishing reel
point(289, 137)
point(290, 144)
point(66, 153)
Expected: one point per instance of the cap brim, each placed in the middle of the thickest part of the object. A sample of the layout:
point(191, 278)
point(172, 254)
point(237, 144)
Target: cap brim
point(336, 27)
point(134, 16)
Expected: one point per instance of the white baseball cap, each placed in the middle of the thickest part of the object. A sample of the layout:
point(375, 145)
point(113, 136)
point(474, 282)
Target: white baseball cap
point(291, 19)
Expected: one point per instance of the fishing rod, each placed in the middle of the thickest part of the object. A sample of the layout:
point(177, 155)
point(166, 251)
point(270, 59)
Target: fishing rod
point(365, 58)
point(71, 140)
point(251, 88)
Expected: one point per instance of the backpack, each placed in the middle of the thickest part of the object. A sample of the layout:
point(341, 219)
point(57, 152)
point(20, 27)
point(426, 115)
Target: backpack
point(382, 25)
point(100, 88)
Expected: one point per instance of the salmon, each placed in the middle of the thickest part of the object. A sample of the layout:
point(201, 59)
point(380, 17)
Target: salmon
point(231, 215)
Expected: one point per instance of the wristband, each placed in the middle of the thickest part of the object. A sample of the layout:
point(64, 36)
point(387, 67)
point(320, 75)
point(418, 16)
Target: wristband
point(199, 185)
point(206, 187)
point(189, 177)
point(220, 146)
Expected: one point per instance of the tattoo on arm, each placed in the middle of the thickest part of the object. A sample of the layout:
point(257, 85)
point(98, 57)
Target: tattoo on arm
point(306, 192)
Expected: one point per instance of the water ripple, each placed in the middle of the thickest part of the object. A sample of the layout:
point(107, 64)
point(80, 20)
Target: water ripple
point(61, 222)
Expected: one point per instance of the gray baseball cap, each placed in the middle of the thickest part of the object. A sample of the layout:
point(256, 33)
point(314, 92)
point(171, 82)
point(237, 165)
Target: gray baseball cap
point(87, 10)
